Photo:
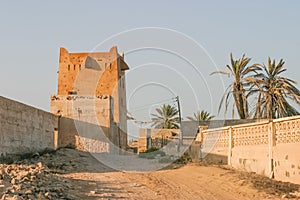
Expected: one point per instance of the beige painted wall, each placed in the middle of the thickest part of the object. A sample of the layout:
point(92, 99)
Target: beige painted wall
point(286, 152)
point(287, 162)
point(251, 159)
point(215, 147)
point(250, 147)
point(270, 148)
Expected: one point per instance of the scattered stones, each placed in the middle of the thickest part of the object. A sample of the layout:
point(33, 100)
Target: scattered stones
point(296, 194)
point(13, 181)
point(39, 165)
point(33, 179)
point(28, 192)
point(15, 197)
point(93, 192)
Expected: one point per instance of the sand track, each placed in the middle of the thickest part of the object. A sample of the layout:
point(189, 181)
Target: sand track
point(83, 177)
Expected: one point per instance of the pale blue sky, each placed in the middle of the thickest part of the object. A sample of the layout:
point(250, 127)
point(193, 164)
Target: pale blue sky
point(33, 31)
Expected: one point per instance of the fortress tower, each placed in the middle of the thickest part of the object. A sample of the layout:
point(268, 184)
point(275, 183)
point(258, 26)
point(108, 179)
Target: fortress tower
point(91, 88)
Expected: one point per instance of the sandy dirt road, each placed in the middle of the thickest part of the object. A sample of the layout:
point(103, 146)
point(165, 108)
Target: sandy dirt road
point(188, 182)
point(192, 181)
point(70, 174)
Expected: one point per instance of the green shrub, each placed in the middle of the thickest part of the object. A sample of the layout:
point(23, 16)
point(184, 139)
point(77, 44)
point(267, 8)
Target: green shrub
point(184, 159)
point(152, 149)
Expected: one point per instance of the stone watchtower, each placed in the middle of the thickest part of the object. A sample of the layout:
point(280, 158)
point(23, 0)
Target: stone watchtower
point(91, 88)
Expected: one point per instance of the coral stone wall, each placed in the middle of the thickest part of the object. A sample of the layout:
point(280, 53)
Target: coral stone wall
point(92, 109)
point(83, 136)
point(25, 129)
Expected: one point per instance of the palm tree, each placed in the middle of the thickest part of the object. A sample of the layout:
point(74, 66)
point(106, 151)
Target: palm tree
point(273, 92)
point(201, 116)
point(239, 71)
point(166, 117)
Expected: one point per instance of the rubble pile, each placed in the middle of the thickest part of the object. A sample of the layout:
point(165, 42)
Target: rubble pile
point(36, 178)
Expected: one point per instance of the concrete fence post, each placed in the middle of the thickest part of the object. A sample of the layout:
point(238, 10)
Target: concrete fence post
point(230, 145)
point(271, 143)
point(200, 139)
point(200, 136)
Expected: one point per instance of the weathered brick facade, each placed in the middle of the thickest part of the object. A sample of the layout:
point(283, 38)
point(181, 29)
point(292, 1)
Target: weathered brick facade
point(91, 88)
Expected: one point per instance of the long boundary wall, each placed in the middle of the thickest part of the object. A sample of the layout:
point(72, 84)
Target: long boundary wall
point(25, 129)
point(269, 147)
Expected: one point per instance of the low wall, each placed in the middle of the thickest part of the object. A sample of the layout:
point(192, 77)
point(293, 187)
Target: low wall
point(215, 147)
point(156, 138)
point(286, 150)
point(250, 148)
point(269, 147)
point(212, 124)
point(25, 129)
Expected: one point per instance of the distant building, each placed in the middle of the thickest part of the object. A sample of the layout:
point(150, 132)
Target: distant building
point(91, 88)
